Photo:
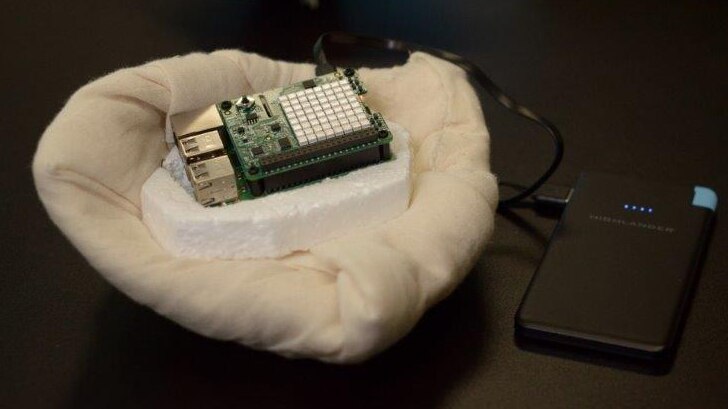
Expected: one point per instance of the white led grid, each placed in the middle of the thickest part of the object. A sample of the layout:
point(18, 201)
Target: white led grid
point(324, 112)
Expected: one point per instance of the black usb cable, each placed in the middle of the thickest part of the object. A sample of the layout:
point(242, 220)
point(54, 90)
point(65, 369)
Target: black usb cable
point(323, 66)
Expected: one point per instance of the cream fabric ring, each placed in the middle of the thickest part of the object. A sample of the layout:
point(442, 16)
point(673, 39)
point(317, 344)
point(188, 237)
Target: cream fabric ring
point(342, 301)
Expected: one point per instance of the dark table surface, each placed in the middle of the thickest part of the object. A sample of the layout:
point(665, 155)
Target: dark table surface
point(639, 88)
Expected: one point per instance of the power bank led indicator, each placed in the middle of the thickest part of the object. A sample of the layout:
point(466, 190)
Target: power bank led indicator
point(638, 208)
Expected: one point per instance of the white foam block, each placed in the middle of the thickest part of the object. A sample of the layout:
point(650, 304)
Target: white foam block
point(280, 223)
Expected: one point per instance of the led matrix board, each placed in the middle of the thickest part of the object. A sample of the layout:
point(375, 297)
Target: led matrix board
point(265, 142)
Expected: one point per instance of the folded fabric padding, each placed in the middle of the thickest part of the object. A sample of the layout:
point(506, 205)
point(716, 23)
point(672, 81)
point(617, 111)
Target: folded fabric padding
point(342, 300)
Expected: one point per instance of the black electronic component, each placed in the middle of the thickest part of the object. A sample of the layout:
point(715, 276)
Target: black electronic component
point(266, 107)
point(319, 170)
point(284, 143)
point(304, 153)
point(247, 103)
point(617, 276)
point(275, 127)
point(226, 105)
point(256, 150)
point(309, 84)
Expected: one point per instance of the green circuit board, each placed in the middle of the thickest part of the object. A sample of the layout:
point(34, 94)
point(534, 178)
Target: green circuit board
point(281, 138)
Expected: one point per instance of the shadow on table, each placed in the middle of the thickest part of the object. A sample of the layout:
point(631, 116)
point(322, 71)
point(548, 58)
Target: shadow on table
point(141, 359)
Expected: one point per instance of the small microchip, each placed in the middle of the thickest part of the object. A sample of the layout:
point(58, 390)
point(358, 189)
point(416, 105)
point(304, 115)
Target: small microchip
point(252, 118)
point(275, 127)
point(284, 143)
point(308, 84)
point(256, 150)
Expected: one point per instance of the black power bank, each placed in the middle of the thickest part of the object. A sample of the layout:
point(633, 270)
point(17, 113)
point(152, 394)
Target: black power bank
point(619, 268)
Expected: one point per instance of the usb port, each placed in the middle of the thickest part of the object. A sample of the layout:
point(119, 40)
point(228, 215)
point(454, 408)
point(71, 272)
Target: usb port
point(213, 181)
point(201, 146)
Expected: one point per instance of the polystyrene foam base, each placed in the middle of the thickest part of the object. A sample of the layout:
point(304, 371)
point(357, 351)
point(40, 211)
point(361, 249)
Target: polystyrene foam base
point(280, 223)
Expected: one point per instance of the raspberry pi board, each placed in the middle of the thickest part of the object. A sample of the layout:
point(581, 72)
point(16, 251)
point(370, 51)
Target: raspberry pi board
point(265, 142)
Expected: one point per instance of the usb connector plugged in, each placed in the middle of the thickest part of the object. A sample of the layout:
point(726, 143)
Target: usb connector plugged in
point(551, 200)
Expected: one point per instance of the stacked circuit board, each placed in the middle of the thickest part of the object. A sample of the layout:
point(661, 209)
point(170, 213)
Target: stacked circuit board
point(286, 137)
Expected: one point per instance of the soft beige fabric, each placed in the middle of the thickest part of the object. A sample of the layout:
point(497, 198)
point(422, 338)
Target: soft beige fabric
point(343, 300)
